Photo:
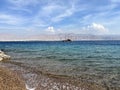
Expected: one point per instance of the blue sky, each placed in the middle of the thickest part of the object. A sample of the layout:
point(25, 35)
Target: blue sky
point(33, 17)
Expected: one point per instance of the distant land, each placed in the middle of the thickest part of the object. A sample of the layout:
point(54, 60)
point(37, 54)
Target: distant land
point(60, 37)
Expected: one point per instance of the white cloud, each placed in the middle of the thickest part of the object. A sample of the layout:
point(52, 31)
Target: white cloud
point(22, 5)
point(65, 13)
point(51, 29)
point(23, 2)
point(50, 9)
point(9, 19)
point(45, 14)
point(68, 10)
point(21, 9)
point(95, 28)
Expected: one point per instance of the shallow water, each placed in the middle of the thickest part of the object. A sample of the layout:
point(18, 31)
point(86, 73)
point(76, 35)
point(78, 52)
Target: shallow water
point(90, 61)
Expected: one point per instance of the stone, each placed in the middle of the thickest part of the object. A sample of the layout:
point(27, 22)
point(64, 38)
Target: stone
point(3, 56)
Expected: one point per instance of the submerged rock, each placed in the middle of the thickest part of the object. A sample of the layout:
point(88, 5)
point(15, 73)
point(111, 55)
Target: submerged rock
point(3, 56)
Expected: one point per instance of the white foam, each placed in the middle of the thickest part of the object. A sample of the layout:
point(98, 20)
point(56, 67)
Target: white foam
point(28, 88)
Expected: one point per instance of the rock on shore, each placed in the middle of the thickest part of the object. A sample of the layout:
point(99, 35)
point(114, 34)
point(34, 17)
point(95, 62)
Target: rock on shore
point(3, 56)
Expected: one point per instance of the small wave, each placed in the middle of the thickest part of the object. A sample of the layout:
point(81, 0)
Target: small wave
point(28, 88)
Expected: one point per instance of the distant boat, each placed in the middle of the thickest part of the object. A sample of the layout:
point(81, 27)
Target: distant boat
point(67, 40)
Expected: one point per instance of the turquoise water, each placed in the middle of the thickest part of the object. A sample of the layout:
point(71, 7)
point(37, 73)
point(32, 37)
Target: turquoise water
point(95, 61)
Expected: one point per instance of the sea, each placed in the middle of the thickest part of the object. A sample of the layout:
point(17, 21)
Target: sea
point(57, 65)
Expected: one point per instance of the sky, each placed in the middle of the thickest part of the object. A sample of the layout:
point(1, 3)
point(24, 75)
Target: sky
point(32, 18)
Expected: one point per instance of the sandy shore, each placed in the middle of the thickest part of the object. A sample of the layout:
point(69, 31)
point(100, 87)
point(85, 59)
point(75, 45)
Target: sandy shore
point(9, 80)
point(39, 80)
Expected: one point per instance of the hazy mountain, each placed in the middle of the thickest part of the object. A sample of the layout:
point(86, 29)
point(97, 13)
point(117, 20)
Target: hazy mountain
point(59, 37)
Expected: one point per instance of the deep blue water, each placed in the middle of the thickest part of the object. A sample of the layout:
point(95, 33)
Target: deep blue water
point(98, 61)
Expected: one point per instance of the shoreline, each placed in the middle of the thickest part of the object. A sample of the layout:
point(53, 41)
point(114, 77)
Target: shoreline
point(44, 81)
